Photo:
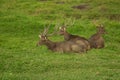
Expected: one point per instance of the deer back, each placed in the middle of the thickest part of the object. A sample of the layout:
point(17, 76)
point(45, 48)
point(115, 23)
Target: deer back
point(69, 46)
point(74, 38)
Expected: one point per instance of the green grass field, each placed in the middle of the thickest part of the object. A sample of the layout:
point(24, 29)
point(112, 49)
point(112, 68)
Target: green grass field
point(21, 21)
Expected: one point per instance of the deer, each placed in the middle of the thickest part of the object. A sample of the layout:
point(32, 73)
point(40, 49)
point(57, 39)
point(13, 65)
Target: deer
point(62, 46)
point(74, 38)
point(96, 40)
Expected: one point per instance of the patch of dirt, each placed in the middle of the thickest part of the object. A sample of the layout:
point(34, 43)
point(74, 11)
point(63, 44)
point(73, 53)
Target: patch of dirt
point(103, 8)
point(114, 17)
point(81, 7)
point(35, 12)
point(62, 2)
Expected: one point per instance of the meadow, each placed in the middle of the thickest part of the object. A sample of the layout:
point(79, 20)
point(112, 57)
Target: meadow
point(21, 21)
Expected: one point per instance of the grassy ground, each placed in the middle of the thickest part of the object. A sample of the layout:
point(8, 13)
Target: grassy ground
point(22, 20)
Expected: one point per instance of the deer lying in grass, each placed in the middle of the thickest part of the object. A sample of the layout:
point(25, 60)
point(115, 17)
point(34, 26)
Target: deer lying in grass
point(96, 40)
point(64, 46)
point(75, 38)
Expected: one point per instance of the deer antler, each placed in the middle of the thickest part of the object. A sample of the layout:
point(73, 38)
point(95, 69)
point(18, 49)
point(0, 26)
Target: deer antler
point(69, 22)
point(101, 25)
point(42, 33)
point(72, 21)
point(46, 29)
point(95, 23)
point(55, 30)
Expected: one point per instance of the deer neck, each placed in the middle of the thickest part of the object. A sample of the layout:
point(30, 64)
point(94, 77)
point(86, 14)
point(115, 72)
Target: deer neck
point(51, 45)
point(98, 33)
point(66, 35)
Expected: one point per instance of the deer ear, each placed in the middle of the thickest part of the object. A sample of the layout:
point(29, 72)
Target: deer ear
point(60, 28)
point(39, 36)
point(64, 28)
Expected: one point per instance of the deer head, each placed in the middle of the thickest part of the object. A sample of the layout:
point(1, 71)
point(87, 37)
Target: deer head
point(69, 22)
point(101, 29)
point(62, 30)
point(44, 35)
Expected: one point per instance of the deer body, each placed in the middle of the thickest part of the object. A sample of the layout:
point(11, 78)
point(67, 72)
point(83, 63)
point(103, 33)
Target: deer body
point(96, 40)
point(65, 46)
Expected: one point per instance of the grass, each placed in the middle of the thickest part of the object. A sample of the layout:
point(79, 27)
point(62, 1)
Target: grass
point(22, 20)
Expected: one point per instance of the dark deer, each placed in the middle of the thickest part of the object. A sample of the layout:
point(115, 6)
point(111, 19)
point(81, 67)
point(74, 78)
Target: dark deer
point(64, 46)
point(96, 40)
point(74, 38)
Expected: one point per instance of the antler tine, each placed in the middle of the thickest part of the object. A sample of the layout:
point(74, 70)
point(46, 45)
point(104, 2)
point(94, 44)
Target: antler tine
point(95, 23)
point(71, 21)
point(68, 21)
point(65, 23)
point(101, 25)
point(57, 26)
point(55, 30)
point(42, 33)
point(46, 30)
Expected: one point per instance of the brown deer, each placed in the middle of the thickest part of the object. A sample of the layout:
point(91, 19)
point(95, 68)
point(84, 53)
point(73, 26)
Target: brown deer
point(74, 38)
point(64, 46)
point(96, 40)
